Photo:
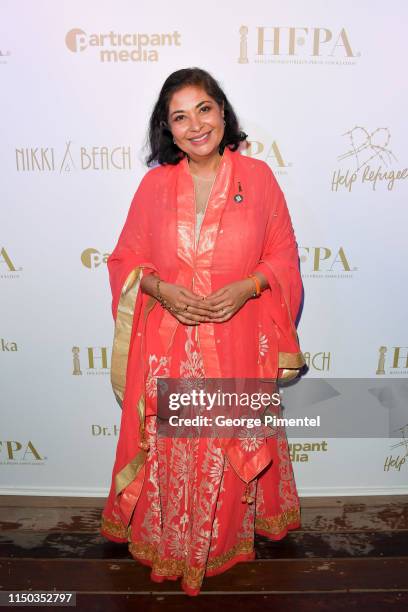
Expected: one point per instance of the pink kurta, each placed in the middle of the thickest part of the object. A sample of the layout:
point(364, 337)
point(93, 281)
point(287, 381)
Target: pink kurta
point(178, 502)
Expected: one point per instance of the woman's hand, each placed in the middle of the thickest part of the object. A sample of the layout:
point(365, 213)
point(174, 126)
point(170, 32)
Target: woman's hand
point(226, 301)
point(188, 307)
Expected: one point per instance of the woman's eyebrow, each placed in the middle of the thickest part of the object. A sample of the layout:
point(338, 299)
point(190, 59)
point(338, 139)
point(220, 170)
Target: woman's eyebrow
point(197, 105)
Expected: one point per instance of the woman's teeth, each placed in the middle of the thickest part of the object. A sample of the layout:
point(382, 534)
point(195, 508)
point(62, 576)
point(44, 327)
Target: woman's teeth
point(203, 137)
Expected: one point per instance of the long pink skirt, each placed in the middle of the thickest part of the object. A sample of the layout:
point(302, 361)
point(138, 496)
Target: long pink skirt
point(190, 520)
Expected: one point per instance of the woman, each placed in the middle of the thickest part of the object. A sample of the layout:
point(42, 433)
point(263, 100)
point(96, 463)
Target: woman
point(205, 284)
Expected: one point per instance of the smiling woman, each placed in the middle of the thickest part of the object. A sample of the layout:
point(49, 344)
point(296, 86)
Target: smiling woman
point(218, 303)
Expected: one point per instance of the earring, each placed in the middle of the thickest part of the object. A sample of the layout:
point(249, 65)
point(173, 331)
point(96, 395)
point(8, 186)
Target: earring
point(225, 123)
point(174, 140)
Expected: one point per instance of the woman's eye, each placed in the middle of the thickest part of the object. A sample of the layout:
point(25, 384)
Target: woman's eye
point(206, 107)
point(179, 117)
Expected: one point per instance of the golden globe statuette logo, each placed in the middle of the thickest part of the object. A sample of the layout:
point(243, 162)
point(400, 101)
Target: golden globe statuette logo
point(300, 452)
point(297, 45)
point(368, 157)
point(243, 45)
point(7, 267)
point(15, 452)
point(392, 360)
point(319, 262)
point(96, 361)
point(122, 47)
point(92, 258)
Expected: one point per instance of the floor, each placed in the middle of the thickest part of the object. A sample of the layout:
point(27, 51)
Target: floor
point(351, 553)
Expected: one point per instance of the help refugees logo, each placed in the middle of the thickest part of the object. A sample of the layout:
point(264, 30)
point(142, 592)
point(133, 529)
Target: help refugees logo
point(369, 157)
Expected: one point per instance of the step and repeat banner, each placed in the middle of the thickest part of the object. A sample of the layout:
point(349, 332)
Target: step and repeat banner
point(320, 89)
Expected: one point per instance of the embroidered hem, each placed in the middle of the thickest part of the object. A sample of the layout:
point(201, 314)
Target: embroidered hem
point(113, 530)
point(276, 527)
point(192, 577)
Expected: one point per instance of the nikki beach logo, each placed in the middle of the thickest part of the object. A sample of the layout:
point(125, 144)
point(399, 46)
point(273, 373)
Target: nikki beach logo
point(101, 158)
point(368, 157)
point(295, 45)
point(319, 362)
point(116, 47)
point(94, 363)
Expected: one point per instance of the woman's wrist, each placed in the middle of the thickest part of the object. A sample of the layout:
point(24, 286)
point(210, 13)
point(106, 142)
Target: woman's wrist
point(148, 283)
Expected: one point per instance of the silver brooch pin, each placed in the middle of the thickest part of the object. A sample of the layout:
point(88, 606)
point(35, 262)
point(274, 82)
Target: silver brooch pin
point(238, 197)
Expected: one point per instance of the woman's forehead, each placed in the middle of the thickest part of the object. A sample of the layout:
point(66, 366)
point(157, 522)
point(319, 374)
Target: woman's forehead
point(189, 96)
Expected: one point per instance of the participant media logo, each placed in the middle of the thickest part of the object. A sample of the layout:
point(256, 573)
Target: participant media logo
point(300, 452)
point(92, 258)
point(313, 45)
point(113, 47)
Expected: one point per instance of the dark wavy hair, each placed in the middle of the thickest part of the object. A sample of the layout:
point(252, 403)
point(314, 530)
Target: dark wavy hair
point(160, 143)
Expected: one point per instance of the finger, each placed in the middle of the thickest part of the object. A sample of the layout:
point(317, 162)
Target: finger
point(187, 321)
point(221, 308)
point(200, 306)
point(190, 316)
point(216, 294)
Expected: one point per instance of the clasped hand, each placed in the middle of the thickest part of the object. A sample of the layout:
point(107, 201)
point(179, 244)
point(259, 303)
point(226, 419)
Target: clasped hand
point(219, 306)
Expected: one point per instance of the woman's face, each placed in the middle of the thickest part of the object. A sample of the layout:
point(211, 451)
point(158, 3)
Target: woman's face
point(196, 122)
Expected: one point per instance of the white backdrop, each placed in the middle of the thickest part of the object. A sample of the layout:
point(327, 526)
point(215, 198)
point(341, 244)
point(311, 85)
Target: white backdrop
point(321, 90)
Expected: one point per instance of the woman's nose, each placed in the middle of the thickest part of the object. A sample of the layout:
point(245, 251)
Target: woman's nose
point(195, 123)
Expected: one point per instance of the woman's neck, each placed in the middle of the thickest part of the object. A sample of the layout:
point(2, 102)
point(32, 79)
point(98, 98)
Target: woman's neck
point(205, 168)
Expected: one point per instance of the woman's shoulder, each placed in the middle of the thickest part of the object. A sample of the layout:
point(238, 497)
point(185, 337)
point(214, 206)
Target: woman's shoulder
point(157, 173)
point(257, 168)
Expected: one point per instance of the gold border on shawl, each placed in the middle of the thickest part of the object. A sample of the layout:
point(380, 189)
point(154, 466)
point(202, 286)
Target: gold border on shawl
point(129, 472)
point(123, 330)
point(291, 360)
point(291, 364)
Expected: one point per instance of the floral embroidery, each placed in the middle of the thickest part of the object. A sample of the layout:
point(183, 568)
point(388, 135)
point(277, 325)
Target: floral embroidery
point(263, 344)
point(158, 367)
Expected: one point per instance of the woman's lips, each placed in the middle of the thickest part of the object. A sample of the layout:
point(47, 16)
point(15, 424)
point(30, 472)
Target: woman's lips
point(203, 139)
